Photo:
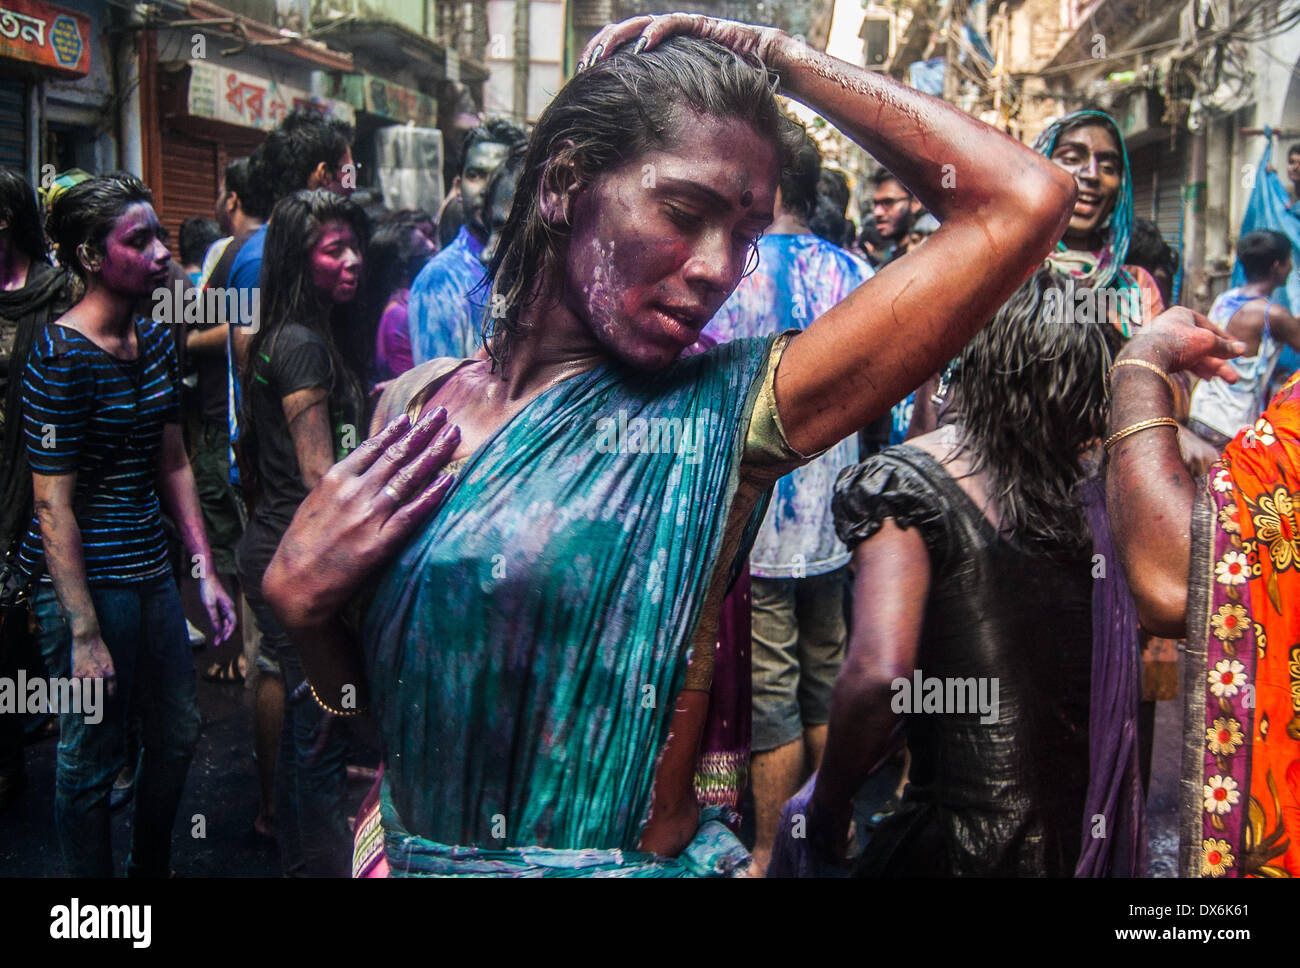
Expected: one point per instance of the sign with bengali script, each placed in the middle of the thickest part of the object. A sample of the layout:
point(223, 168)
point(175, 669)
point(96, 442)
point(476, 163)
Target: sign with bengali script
point(50, 36)
point(365, 92)
point(249, 101)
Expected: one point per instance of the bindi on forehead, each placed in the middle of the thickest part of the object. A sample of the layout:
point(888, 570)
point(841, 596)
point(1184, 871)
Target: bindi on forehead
point(746, 198)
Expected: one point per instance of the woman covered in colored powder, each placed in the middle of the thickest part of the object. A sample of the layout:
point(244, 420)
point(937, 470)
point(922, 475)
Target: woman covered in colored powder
point(538, 652)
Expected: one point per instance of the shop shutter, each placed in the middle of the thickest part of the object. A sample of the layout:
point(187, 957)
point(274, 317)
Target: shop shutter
point(13, 124)
point(1171, 175)
point(190, 182)
point(1142, 163)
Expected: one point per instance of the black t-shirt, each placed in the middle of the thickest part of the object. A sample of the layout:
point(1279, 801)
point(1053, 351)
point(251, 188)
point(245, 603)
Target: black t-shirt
point(295, 359)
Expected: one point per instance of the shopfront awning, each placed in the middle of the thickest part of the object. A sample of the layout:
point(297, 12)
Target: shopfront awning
point(247, 100)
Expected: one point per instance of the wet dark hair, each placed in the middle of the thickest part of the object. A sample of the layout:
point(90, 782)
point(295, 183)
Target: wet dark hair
point(492, 131)
point(800, 177)
point(290, 153)
point(1030, 394)
point(18, 207)
point(196, 235)
point(1149, 250)
point(1257, 251)
point(616, 110)
point(250, 190)
point(85, 213)
point(288, 294)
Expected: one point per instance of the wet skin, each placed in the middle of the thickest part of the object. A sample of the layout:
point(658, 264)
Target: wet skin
point(647, 268)
point(1091, 155)
point(336, 262)
point(647, 263)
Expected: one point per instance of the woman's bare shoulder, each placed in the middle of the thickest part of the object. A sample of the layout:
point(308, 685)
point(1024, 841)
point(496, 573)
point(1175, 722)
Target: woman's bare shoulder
point(403, 390)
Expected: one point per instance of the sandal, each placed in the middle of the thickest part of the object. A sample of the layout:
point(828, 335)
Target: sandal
point(225, 673)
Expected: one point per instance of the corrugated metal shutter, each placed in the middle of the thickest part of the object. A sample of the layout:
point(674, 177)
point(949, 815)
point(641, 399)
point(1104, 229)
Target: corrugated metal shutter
point(1158, 185)
point(13, 127)
point(1170, 176)
point(1142, 162)
point(190, 182)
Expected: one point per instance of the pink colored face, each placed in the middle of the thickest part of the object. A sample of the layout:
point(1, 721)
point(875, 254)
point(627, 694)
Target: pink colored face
point(135, 260)
point(660, 243)
point(336, 262)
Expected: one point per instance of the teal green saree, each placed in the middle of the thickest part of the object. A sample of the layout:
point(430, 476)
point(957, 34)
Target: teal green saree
point(526, 647)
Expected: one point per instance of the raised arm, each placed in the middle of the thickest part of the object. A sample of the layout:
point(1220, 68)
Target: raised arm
point(1002, 207)
point(1149, 491)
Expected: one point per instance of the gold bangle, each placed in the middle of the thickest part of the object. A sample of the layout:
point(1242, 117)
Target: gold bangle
point(334, 712)
point(1146, 366)
point(1116, 437)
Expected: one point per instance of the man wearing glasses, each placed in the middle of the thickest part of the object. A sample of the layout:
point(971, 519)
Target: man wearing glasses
point(894, 208)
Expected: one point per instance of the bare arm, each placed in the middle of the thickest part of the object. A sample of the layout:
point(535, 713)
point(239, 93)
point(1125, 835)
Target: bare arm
point(1284, 326)
point(306, 412)
point(209, 341)
point(1149, 492)
point(883, 646)
point(1002, 206)
point(180, 497)
point(65, 561)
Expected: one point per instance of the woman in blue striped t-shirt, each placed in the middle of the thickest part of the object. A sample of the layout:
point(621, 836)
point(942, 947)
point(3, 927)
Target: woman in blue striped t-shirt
point(101, 412)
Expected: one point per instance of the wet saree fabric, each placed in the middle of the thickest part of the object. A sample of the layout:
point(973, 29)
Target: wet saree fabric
point(526, 647)
point(1241, 763)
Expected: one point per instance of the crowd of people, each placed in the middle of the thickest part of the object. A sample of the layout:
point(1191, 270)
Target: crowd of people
point(637, 485)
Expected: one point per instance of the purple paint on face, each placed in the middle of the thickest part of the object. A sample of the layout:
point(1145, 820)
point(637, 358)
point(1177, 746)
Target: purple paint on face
point(649, 265)
point(135, 260)
point(336, 262)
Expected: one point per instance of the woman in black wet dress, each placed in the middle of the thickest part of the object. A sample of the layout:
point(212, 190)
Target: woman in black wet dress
point(974, 567)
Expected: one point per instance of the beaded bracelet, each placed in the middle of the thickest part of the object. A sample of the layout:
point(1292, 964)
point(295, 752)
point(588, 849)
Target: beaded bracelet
point(334, 712)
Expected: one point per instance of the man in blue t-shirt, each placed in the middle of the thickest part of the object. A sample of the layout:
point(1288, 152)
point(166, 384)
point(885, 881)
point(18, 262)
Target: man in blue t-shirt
point(449, 298)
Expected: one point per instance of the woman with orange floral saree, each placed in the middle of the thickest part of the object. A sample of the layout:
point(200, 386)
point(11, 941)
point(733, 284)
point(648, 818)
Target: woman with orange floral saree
point(1220, 558)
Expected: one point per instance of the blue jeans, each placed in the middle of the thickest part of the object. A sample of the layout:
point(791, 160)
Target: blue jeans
point(143, 626)
point(311, 821)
